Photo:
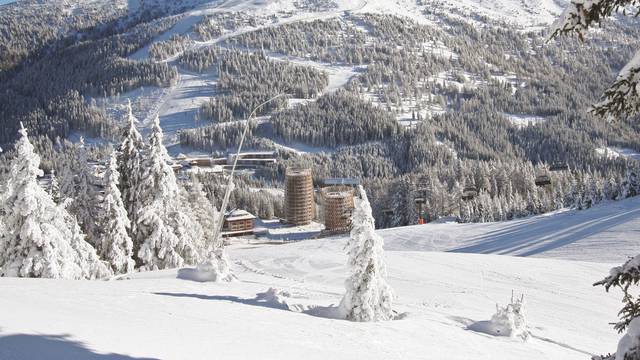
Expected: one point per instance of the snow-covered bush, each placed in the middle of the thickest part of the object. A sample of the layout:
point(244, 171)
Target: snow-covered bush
point(41, 239)
point(510, 320)
point(368, 296)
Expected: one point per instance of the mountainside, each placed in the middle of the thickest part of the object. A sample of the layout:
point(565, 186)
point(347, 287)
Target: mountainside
point(453, 94)
point(444, 299)
point(120, 124)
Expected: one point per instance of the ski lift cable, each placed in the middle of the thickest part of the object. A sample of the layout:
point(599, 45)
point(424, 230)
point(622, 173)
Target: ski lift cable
point(227, 194)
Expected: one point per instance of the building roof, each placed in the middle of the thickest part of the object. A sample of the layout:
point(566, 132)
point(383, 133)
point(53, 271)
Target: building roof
point(239, 215)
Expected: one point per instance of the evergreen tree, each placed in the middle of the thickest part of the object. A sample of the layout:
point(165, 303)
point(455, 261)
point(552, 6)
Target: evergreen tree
point(41, 238)
point(130, 159)
point(54, 188)
point(84, 205)
point(205, 213)
point(368, 296)
point(115, 245)
point(168, 237)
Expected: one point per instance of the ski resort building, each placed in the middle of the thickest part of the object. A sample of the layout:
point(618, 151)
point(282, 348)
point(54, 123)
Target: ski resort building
point(299, 200)
point(258, 158)
point(237, 223)
point(337, 206)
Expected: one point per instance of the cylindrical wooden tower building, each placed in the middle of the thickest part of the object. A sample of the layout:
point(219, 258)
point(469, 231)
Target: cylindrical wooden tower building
point(338, 206)
point(299, 203)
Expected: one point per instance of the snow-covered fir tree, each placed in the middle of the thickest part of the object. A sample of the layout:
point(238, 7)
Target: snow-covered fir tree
point(368, 296)
point(216, 266)
point(54, 188)
point(84, 205)
point(203, 210)
point(130, 157)
point(115, 245)
point(41, 239)
point(167, 236)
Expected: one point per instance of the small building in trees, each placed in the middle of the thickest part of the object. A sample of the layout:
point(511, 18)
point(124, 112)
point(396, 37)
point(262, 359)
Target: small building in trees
point(238, 223)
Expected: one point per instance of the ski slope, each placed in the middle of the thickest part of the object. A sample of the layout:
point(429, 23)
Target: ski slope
point(606, 233)
point(439, 294)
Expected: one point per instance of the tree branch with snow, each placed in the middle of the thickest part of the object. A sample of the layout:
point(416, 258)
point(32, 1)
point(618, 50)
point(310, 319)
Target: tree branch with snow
point(621, 99)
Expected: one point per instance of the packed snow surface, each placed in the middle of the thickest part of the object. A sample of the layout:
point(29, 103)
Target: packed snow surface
point(604, 233)
point(283, 304)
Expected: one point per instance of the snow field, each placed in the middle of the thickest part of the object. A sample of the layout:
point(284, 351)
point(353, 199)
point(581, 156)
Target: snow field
point(156, 315)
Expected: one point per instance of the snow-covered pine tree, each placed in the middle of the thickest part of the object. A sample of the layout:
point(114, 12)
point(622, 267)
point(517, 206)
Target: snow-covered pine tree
point(368, 296)
point(611, 189)
point(203, 210)
point(84, 205)
point(66, 176)
point(130, 157)
point(629, 184)
point(558, 197)
point(622, 98)
point(115, 245)
point(404, 207)
point(54, 188)
point(168, 237)
point(41, 239)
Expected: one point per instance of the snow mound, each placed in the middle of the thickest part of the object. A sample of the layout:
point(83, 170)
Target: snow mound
point(207, 271)
point(274, 297)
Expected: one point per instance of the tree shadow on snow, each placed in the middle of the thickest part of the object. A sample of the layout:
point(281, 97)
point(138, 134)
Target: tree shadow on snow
point(544, 234)
point(51, 347)
point(257, 301)
point(268, 300)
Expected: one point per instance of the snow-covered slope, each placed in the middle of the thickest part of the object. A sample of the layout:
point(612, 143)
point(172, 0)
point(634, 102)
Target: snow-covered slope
point(177, 105)
point(523, 12)
point(605, 233)
point(158, 315)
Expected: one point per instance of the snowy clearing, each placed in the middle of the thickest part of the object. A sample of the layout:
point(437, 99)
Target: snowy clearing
point(521, 120)
point(614, 152)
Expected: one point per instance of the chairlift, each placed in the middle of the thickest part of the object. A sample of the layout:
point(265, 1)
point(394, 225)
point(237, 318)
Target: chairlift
point(387, 212)
point(420, 201)
point(469, 193)
point(543, 180)
point(559, 166)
